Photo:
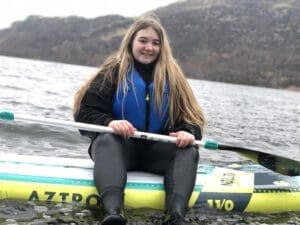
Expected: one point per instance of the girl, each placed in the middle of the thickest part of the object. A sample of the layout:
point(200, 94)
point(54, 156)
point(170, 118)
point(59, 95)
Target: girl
point(142, 87)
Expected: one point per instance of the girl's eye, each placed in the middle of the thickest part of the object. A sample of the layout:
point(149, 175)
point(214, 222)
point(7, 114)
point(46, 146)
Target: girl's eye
point(143, 41)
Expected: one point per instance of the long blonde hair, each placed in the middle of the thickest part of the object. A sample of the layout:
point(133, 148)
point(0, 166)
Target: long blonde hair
point(183, 105)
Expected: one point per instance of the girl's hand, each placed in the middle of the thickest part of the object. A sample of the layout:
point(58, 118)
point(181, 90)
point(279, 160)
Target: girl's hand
point(122, 127)
point(184, 138)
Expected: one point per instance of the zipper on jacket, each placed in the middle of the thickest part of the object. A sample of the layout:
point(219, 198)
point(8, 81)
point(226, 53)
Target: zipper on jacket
point(147, 115)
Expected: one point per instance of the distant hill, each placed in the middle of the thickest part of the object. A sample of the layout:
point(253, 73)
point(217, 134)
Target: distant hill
point(254, 42)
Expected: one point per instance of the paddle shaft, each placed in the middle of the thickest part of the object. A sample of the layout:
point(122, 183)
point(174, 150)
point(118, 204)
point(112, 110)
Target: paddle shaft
point(276, 163)
point(91, 127)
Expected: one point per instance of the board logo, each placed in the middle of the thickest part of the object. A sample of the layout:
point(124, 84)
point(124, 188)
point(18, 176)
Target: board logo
point(223, 204)
point(228, 179)
point(49, 196)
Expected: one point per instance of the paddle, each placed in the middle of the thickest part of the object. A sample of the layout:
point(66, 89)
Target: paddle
point(273, 162)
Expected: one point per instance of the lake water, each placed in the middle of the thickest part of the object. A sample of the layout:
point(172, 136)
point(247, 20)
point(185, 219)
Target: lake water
point(254, 117)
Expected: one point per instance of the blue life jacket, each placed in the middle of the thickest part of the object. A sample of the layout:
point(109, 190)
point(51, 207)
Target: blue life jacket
point(137, 105)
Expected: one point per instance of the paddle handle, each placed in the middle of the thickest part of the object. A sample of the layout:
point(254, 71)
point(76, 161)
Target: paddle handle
point(10, 116)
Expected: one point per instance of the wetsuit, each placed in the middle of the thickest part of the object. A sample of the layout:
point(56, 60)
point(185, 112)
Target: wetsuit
point(114, 155)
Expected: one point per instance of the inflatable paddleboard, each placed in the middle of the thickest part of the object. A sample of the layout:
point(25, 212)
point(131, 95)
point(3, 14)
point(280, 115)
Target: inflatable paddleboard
point(243, 188)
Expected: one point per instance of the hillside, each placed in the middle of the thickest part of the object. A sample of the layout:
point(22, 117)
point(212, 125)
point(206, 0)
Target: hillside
point(254, 42)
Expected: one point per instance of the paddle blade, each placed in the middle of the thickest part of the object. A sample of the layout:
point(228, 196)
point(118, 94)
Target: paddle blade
point(280, 164)
point(273, 162)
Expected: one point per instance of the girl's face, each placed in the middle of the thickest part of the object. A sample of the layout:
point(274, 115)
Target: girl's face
point(146, 46)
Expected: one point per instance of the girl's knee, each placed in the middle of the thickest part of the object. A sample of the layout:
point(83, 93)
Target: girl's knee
point(105, 142)
point(190, 153)
point(103, 138)
point(195, 153)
